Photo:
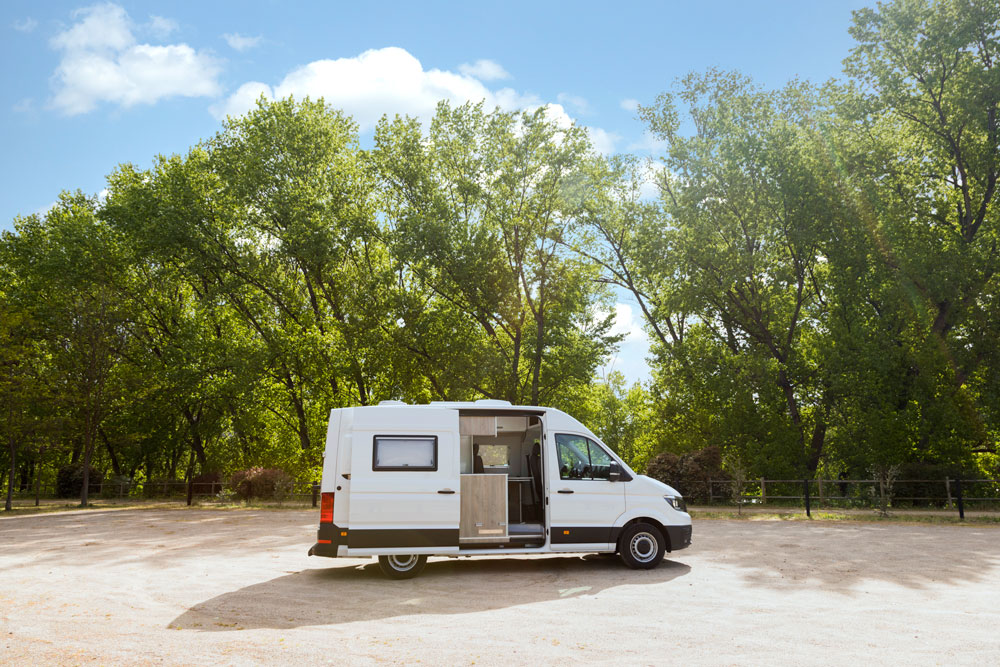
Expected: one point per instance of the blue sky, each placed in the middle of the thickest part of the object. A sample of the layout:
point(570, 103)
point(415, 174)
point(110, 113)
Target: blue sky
point(89, 86)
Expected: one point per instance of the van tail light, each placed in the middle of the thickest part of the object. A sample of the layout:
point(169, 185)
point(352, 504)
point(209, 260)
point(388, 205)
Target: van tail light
point(326, 508)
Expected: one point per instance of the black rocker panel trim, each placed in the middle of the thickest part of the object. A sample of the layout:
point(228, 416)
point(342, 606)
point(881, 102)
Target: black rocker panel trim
point(584, 534)
point(404, 537)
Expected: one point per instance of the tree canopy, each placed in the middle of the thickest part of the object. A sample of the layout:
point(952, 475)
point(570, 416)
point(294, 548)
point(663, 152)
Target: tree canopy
point(818, 275)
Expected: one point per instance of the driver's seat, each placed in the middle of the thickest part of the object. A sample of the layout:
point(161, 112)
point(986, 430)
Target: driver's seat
point(535, 467)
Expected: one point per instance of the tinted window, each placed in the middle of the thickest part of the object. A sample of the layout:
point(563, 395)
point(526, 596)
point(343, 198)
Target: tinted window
point(581, 458)
point(404, 453)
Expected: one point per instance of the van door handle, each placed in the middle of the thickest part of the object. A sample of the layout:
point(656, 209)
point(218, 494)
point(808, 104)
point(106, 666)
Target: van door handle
point(565, 491)
point(446, 491)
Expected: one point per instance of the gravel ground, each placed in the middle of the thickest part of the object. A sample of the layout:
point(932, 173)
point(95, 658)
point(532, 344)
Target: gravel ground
point(235, 587)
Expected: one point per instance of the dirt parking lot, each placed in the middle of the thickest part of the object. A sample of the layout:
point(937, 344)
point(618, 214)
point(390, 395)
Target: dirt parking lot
point(236, 587)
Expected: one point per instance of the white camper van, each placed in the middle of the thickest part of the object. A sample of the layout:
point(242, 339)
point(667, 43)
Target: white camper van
point(404, 482)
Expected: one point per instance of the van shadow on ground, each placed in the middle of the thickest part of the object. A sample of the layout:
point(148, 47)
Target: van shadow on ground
point(350, 593)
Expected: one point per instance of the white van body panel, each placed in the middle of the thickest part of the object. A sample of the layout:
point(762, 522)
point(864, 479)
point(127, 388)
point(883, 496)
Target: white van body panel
point(403, 501)
point(644, 498)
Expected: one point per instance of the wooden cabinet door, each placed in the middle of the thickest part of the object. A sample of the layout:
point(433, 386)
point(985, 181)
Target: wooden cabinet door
point(484, 508)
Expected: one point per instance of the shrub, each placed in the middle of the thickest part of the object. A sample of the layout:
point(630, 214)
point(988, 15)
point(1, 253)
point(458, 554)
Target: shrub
point(69, 481)
point(261, 483)
point(923, 484)
point(689, 472)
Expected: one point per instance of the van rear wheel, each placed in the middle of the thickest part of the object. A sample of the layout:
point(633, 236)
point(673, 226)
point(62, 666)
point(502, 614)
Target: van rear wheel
point(402, 566)
point(642, 546)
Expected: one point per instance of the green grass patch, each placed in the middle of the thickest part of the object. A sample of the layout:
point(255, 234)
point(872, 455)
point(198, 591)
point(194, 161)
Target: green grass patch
point(54, 506)
point(855, 516)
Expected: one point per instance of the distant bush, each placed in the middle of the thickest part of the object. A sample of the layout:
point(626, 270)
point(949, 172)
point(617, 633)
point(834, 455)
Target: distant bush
point(922, 484)
point(261, 483)
point(689, 472)
point(69, 481)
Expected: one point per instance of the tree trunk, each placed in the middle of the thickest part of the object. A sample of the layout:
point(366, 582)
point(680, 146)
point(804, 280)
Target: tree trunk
point(111, 452)
point(536, 367)
point(196, 444)
point(8, 505)
point(816, 445)
point(303, 429)
point(512, 393)
point(84, 492)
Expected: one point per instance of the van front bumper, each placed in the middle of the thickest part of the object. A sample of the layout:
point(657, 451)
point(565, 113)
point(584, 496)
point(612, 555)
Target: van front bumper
point(679, 537)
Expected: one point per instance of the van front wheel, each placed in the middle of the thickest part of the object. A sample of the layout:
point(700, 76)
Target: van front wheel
point(642, 546)
point(402, 566)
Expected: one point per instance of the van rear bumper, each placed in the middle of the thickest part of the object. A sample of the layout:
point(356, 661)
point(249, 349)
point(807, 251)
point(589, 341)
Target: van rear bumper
point(679, 537)
point(328, 538)
point(322, 549)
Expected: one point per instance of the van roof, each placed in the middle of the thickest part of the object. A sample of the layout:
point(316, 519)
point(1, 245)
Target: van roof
point(481, 404)
point(555, 417)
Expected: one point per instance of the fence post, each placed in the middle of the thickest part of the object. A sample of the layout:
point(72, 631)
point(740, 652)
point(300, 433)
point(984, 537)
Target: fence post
point(190, 490)
point(711, 496)
point(315, 491)
point(947, 488)
point(763, 492)
point(822, 498)
point(805, 483)
point(958, 497)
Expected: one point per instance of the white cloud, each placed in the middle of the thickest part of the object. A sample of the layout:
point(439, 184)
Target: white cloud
point(376, 82)
point(242, 100)
point(629, 104)
point(628, 324)
point(25, 105)
point(392, 81)
point(161, 27)
point(603, 141)
point(650, 188)
point(102, 63)
point(484, 70)
point(42, 211)
point(630, 357)
point(25, 25)
point(648, 142)
point(577, 103)
point(240, 42)
point(100, 27)
point(554, 113)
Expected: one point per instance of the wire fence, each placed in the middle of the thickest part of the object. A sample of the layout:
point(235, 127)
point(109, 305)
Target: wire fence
point(936, 494)
point(940, 494)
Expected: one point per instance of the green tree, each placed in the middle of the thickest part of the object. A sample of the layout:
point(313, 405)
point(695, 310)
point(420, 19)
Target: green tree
point(478, 214)
point(927, 134)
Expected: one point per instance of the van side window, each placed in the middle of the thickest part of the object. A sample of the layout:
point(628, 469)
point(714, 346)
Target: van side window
point(406, 452)
point(581, 458)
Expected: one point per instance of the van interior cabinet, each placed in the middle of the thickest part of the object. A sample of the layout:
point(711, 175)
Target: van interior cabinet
point(477, 425)
point(484, 509)
point(514, 424)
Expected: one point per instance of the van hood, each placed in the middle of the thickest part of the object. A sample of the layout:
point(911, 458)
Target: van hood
point(648, 485)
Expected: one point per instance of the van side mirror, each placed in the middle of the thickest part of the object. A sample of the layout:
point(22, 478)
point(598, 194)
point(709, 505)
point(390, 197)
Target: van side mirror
point(614, 472)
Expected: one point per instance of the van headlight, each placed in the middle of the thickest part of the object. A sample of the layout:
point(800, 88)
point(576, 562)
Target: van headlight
point(677, 502)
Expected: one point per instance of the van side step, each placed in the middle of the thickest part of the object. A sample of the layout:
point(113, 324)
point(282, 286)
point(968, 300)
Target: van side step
point(518, 535)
